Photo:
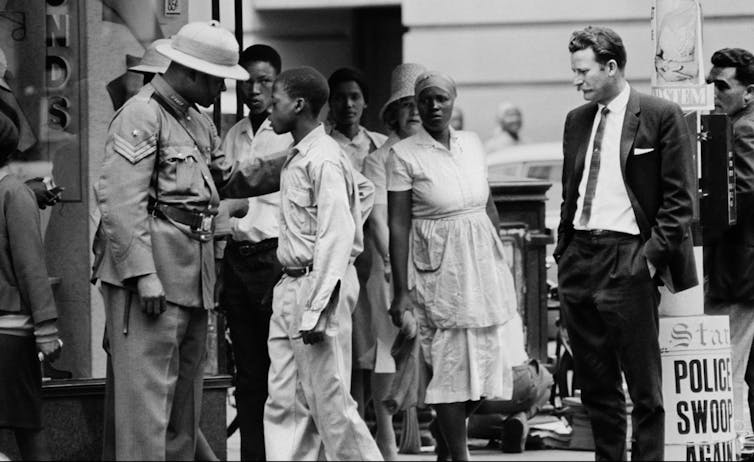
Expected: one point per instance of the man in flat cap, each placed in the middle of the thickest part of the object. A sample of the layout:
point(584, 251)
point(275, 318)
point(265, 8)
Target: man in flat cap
point(154, 249)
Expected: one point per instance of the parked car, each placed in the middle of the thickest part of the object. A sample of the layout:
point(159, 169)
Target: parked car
point(542, 161)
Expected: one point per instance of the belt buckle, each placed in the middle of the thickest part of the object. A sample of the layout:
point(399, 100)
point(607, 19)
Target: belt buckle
point(206, 224)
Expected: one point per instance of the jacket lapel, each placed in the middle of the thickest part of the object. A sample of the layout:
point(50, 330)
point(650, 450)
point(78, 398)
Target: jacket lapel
point(586, 132)
point(627, 139)
point(628, 133)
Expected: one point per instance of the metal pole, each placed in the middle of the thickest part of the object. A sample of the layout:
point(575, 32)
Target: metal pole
point(238, 14)
point(216, 107)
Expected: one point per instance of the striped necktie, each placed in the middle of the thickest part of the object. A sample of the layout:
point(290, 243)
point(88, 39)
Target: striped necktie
point(594, 170)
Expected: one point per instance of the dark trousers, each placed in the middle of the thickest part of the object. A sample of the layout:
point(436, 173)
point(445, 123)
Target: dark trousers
point(609, 304)
point(249, 274)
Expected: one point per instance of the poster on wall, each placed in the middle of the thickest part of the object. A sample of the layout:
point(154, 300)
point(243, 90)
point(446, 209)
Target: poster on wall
point(678, 64)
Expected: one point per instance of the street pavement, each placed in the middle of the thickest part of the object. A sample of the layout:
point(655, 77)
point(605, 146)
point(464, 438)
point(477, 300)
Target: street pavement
point(477, 449)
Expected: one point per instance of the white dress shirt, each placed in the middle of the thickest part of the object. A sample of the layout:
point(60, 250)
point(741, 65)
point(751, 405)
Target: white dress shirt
point(261, 221)
point(611, 207)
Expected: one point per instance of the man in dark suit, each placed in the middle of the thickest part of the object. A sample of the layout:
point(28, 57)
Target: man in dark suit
point(628, 184)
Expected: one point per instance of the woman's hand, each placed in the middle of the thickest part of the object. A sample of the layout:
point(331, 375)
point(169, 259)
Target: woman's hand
point(401, 303)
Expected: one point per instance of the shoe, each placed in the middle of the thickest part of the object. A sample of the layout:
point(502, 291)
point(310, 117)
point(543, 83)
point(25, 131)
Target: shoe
point(441, 449)
point(515, 431)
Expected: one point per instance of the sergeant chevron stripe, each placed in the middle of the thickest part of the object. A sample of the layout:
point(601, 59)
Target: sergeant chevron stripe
point(134, 153)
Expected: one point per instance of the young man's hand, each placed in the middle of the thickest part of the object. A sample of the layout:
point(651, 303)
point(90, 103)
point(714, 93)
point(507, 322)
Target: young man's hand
point(317, 333)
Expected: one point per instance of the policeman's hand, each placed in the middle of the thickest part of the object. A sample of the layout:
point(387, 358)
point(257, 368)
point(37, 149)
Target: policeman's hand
point(51, 349)
point(152, 295)
point(401, 303)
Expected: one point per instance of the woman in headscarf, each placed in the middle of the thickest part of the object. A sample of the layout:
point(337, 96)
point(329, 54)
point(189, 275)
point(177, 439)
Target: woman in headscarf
point(448, 264)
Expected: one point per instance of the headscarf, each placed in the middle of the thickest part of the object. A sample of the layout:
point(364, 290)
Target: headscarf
point(435, 79)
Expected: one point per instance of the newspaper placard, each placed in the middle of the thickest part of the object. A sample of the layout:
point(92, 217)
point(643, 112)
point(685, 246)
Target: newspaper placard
point(697, 388)
point(678, 65)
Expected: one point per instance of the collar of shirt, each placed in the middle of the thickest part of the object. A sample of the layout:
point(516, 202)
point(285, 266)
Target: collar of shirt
point(176, 101)
point(303, 146)
point(619, 103)
point(361, 141)
point(423, 138)
point(247, 130)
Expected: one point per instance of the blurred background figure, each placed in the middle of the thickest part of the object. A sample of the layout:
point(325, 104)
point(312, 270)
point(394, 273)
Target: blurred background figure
point(456, 118)
point(507, 132)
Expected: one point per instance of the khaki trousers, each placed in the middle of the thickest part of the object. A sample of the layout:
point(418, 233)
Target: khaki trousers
point(157, 369)
point(310, 407)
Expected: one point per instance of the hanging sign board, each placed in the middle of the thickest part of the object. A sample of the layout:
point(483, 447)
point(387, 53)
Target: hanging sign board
point(678, 73)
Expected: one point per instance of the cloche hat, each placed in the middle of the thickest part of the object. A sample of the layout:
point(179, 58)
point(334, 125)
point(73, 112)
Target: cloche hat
point(402, 82)
point(152, 61)
point(206, 47)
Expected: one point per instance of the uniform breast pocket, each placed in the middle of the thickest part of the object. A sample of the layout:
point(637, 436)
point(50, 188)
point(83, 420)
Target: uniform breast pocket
point(180, 171)
point(300, 210)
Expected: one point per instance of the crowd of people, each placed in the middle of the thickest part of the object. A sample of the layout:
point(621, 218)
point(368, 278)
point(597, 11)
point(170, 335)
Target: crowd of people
point(326, 244)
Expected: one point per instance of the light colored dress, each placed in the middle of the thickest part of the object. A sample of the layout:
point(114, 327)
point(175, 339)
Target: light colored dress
point(457, 277)
point(380, 293)
point(374, 290)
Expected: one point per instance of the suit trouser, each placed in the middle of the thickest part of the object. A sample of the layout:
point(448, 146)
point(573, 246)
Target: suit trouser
point(741, 319)
point(310, 406)
point(158, 367)
point(248, 280)
point(609, 304)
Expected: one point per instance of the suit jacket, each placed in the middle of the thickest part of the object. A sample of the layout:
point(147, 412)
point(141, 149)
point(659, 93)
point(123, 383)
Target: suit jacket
point(660, 183)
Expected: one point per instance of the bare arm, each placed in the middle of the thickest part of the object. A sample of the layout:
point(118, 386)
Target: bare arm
point(378, 224)
point(399, 213)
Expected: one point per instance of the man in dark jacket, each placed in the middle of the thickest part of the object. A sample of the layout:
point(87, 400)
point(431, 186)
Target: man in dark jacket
point(729, 262)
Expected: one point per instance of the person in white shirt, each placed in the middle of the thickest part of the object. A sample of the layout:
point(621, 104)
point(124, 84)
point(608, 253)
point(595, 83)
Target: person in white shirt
point(250, 267)
point(628, 192)
point(324, 203)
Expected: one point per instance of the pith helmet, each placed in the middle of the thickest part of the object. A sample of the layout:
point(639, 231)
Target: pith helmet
point(206, 47)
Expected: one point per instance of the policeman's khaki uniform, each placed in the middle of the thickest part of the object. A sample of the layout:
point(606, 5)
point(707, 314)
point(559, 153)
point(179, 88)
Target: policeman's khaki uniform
point(161, 155)
point(323, 205)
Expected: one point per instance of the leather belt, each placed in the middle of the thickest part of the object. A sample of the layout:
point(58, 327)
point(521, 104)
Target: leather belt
point(602, 233)
point(297, 272)
point(248, 248)
point(202, 221)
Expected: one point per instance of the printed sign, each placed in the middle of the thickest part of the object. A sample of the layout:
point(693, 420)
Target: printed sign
point(697, 388)
point(678, 66)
